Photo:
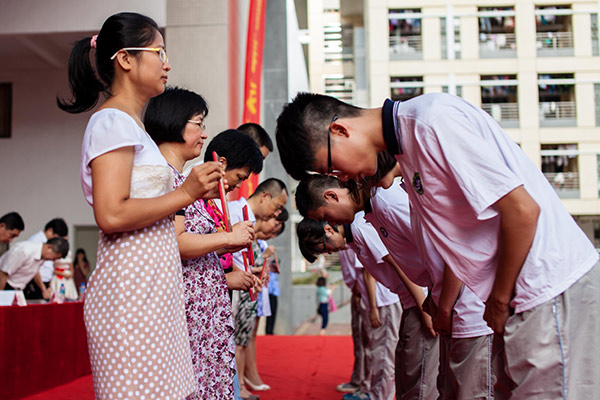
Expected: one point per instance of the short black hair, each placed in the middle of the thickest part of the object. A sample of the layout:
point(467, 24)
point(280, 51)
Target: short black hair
point(258, 134)
point(59, 246)
point(58, 226)
point(302, 128)
point(310, 235)
point(309, 193)
point(283, 215)
point(273, 186)
point(238, 148)
point(167, 114)
point(321, 281)
point(12, 220)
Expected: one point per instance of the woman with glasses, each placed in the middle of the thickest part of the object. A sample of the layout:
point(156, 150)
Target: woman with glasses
point(134, 308)
point(175, 121)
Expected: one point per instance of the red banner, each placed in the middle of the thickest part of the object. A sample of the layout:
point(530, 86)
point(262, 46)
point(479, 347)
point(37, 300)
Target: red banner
point(253, 77)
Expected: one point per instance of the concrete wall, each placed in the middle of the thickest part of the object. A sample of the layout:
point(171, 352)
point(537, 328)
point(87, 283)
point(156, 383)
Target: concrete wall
point(39, 16)
point(40, 162)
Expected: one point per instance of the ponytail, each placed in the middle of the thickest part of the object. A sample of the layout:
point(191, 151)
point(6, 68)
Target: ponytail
point(84, 85)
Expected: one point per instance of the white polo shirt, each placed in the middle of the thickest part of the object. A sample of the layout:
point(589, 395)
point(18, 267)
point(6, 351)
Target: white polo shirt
point(457, 163)
point(47, 268)
point(21, 262)
point(362, 238)
point(236, 214)
point(348, 262)
point(390, 214)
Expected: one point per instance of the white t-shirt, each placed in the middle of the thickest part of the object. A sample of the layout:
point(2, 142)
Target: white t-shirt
point(457, 162)
point(236, 214)
point(370, 252)
point(348, 262)
point(47, 268)
point(21, 262)
point(399, 231)
point(110, 129)
point(389, 214)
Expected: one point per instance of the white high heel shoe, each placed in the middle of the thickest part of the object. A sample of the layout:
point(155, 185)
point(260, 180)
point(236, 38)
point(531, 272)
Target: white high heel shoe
point(257, 388)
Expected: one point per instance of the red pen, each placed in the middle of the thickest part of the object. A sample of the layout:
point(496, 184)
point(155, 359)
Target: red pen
point(248, 270)
point(223, 198)
point(250, 252)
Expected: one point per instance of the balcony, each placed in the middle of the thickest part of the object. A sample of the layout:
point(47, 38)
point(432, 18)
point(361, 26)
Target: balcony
point(566, 184)
point(554, 44)
point(406, 47)
point(558, 113)
point(506, 114)
point(497, 45)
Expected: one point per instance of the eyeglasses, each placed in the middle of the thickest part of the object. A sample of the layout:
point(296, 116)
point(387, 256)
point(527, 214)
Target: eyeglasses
point(199, 123)
point(162, 54)
point(330, 170)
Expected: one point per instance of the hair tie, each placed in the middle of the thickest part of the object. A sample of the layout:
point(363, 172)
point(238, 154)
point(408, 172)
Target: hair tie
point(93, 41)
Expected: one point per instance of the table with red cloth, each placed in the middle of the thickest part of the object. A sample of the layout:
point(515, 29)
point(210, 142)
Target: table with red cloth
point(41, 346)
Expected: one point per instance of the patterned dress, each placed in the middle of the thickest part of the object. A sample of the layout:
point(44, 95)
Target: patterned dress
point(134, 311)
point(208, 312)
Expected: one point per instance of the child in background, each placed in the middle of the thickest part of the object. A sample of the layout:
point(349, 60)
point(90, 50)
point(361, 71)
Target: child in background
point(323, 293)
point(63, 275)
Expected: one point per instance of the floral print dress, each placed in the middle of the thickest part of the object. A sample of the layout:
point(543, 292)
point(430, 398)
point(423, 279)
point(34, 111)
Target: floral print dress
point(208, 312)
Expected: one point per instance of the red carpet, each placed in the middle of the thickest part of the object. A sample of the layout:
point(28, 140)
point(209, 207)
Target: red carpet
point(296, 367)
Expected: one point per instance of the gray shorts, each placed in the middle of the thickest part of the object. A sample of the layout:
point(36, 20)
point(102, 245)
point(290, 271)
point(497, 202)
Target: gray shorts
point(553, 350)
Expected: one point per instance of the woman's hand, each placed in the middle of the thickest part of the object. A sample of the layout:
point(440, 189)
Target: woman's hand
point(203, 181)
point(270, 250)
point(240, 237)
point(239, 280)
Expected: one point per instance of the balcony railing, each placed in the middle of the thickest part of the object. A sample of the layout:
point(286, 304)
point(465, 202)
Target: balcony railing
point(558, 113)
point(566, 184)
point(406, 47)
point(506, 114)
point(553, 44)
point(497, 45)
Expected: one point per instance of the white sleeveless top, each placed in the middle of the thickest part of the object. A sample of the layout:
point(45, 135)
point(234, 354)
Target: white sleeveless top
point(110, 129)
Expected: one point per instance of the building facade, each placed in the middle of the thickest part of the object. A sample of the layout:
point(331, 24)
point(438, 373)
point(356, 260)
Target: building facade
point(532, 65)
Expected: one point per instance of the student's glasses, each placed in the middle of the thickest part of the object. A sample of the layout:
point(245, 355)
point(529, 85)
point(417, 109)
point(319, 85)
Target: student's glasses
point(330, 170)
point(162, 54)
point(199, 123)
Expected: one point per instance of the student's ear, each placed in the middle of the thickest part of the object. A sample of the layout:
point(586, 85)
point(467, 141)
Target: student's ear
point(328, 229)
point(223, 161)
point(331, 195)
point(338, 128)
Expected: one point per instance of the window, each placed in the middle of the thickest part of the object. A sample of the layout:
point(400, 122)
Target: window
point(340, 87)
point(444, 36)
point(5, 110)
point(595, 38)
point(405, 88)
point(499, 99)
point(597, 101)
point(557, 100)
point(338, 38)
point(554, 31)
point(405, 34)
point(497, 32)
point(446, 89)
point(560, 166)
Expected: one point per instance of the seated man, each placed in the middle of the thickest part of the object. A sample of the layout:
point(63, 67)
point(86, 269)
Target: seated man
point(23, 261)
point(11, 225)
